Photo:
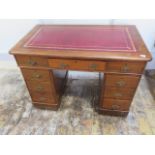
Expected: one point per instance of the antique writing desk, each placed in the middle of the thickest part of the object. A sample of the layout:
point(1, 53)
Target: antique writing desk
point(47, 53)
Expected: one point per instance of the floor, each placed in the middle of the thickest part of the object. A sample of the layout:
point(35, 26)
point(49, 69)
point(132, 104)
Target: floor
point(76, 114)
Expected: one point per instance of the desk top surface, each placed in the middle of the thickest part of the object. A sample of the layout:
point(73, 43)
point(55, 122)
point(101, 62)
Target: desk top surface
point(82, 38)
point(83, 41)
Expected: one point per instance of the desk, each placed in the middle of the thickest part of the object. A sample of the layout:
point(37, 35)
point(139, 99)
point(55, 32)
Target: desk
point(47, 52)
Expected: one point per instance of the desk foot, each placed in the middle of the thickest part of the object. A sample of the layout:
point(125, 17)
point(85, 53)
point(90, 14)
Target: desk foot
point(112, 112)
point(46, 106)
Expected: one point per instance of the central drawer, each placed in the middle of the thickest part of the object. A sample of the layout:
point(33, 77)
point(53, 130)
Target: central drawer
point(77, 64)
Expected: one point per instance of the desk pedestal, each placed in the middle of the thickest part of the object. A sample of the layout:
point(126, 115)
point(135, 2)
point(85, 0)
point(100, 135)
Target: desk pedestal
point(45, 86)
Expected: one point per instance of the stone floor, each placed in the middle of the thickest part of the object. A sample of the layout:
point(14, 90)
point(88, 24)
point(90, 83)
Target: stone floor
point(76, 114)
point(150, 76)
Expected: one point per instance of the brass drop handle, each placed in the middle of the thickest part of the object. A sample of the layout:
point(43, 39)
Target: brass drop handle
point(118, 95)
point(120, 83)
point(93, 66)
point(115, 107)
point(32, 63)
point(63, 66)
point(36, 75)
point(39, 88)
point(125, 68)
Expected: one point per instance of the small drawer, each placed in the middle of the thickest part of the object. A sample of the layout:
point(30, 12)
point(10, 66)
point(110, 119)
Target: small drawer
point(42, 87)
point(35, 74)
point(121, 81)
point(32, 61)
point(126, 67)
point(43, 97)
point(112, 104)
point(77, 64)
point(113, 92)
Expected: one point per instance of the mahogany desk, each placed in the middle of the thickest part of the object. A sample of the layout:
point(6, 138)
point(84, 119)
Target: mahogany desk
point(47, 53)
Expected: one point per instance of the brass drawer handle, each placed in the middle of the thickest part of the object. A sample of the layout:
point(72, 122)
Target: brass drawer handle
point(125, 68)
point(118, 95)
point(63, 66)
point(36, 75)
point(115, 107)
point(39, 89)
point(120, 83)
point(32, 63)
point(93, 66)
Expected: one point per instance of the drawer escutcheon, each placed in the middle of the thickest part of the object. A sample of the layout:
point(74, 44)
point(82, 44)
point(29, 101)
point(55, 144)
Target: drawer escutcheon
point(31, 62)
point(120, 83)
point(118, 95)
point(36, 75)
point(125, 68)
point(64, 66)
point(115, 107)
point(93, 66)
point(39, 89)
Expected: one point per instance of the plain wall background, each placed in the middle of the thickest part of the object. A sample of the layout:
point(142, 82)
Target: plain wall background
point(11, 31)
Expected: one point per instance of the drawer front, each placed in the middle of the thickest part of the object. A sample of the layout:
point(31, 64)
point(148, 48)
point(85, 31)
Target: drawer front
point(113, 92)
point(34, 74)
point(126, 67)
point(43, 97)
point(77, 64)
point(43, 87)
point(32, 61)
point(112, 104)
point(121, 81)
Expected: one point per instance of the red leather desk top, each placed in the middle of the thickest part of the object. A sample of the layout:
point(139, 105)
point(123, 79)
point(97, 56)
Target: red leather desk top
point(82, 38)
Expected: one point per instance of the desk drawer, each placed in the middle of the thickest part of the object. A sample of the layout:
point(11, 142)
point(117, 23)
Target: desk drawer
point(32, 61)
point(125, 67)
point(77, 64)
point(112, 104)
point(43, 98)
point(35, 74)
point(121, 81)
point(43, 87)
point(116, 93)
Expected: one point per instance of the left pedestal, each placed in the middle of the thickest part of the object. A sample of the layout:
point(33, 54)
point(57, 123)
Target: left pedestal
point(45, 86)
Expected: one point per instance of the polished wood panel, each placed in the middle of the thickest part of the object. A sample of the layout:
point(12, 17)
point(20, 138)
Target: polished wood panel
point(77, 64)
point(60, 78)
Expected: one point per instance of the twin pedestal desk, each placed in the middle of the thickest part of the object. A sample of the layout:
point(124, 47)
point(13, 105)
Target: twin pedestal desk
point(46, 54)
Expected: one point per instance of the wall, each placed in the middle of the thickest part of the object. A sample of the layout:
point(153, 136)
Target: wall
point(12, 30)
point(147, 31)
